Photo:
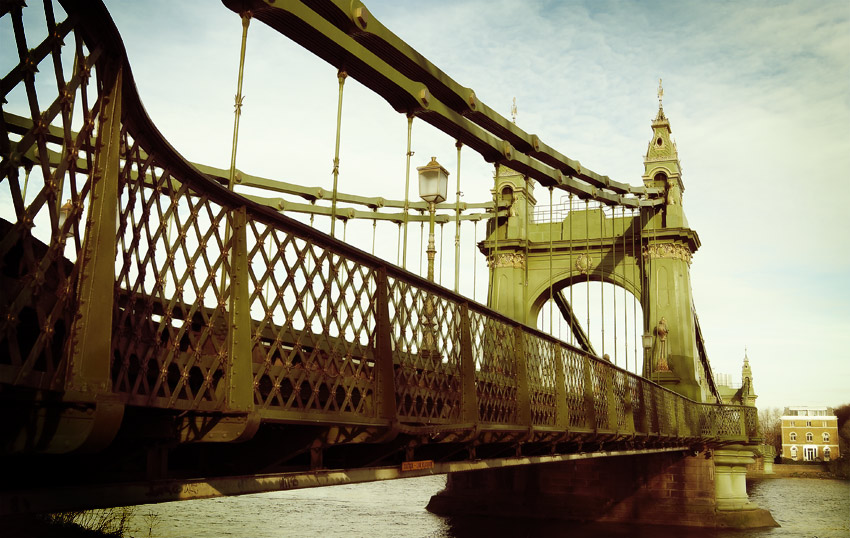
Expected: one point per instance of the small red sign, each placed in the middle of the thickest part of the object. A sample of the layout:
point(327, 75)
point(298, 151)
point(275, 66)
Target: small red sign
point(417, 465)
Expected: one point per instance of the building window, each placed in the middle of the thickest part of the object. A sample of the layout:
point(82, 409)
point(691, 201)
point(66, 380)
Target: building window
point(826, 454)
point(809, 437)
point(808, 423)
point(794, 453)
point(793, 436)
point(825, 437)
point(793, 423)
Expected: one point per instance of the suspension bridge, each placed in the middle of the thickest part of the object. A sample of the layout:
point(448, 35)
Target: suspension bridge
point(165, 336)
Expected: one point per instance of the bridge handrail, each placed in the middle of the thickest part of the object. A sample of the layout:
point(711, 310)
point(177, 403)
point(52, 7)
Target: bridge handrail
point(183, 332)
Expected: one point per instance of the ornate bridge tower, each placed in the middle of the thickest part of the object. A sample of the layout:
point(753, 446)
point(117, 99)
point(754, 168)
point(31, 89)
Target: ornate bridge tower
point(667, 301)
point(535, 253)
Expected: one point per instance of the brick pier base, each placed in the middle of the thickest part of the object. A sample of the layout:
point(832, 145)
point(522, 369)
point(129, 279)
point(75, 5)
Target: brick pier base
point(667, 489)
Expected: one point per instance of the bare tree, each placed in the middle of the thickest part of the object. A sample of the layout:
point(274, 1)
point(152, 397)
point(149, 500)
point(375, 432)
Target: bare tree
point(770, 423)
point(843, 414)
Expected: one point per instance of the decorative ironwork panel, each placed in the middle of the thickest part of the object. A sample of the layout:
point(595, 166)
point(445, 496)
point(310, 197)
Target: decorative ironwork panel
point(574, 366)
point(494, 350)
point(48, 155)
point(691, 414)
point(729, 422)
point(542, 364)
point(313, 334)
point(600, 374)
point(751, 421)
point(651, 398)
point(666, 412)
point(678, 417)
point(622, 381)
point(173, 275)
point(426, 354)
point(707, 421)
point(635, 387)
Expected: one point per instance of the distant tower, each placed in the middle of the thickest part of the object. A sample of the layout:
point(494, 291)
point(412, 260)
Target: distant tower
point(748, 393)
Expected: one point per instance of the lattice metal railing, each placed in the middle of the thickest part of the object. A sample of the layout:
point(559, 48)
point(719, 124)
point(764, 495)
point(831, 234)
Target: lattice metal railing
point(131, 279)
point(544, 369)
point(576, 366)
point(170, 326)
point(49, 153)
point(622, 399)
point(494, 351)
point(426, 354)
point(313, 327)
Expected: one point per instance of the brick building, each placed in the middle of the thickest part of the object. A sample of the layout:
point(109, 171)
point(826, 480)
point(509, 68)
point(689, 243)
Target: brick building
point(809, 434)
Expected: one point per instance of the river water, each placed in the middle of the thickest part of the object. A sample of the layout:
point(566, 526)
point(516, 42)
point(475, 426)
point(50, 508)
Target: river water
point(805, 507)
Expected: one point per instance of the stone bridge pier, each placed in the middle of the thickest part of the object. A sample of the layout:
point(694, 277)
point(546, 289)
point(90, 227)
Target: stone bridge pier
point(687, 488)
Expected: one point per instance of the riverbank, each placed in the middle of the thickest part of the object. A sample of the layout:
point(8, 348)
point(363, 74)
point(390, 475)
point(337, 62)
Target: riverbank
point(787, 470)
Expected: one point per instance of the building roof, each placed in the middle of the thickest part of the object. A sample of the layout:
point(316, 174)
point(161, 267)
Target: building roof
point(808, 411)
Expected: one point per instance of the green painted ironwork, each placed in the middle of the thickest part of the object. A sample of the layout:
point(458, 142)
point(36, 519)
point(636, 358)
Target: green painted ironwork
point(306, 335)
point(534, 262)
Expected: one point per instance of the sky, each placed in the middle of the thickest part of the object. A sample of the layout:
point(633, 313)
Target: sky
point(757, 93)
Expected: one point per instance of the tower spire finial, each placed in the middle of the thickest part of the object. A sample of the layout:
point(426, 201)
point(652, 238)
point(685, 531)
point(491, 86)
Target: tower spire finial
point(660, 93)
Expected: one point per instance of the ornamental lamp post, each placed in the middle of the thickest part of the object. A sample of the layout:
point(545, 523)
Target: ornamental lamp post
point(433, 188)
point(647, 347)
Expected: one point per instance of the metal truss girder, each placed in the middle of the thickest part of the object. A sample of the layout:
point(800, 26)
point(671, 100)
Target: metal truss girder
point(575, 325)
point(325, 39)
point(703, 356)
point(22, 125)
point(354, 19)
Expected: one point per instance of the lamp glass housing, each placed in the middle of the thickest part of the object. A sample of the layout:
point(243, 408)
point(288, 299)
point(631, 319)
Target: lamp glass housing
point(647, 340)
point(433, 182)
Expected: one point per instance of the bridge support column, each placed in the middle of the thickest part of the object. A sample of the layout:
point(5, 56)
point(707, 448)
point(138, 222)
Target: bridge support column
point(507, 245)
point(670, 488)
point(730, 481)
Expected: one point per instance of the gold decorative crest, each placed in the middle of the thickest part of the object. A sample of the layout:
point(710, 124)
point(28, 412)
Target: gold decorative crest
point(669, 250)
point(583, 263)
point(514, 260)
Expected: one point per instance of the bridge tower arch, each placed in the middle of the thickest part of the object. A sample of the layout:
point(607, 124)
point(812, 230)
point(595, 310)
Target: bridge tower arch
point(534, 251)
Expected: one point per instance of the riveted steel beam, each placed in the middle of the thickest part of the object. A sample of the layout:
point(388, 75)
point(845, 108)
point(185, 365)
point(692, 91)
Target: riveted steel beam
point(239, 373)
point(567, 312)
point(354, 18)
point(393, 82)
point(89, 363)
